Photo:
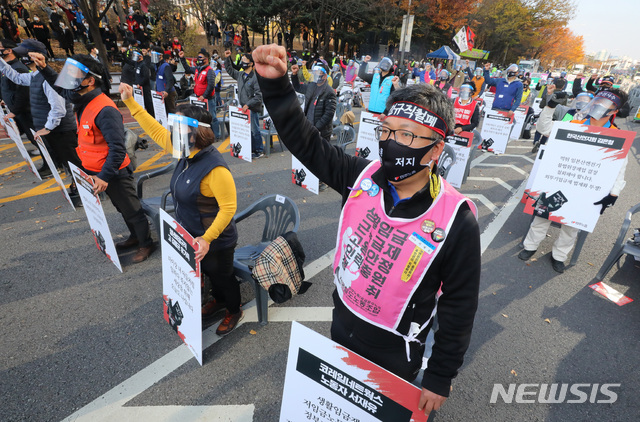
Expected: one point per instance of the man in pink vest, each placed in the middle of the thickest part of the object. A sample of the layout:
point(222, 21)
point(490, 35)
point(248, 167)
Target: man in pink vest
point(408, 244)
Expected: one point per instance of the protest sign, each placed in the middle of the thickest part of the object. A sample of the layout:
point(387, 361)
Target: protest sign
point(367, 144)
point(488, 98)
point(301, 176)
point(95, 215)
point(54, 171)
point(532, 175)
point(159, 108)
point(240, 129)
point(579, 167)
point(138, 96)
point(461, 144)
point(193, 100)
point(496, 129)
point(519, 116)
point(327, 382)
point(181, 283)
point(14, 134)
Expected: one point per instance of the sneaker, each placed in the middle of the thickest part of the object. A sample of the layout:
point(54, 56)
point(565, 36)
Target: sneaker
point(558, 266)
point(127, 244)
point(75, 200)
point(212, 307)
point(45, 172)
point(536, 147)
point(229, 323)
point(525, 255)
point(257, 155)
point(143, 253)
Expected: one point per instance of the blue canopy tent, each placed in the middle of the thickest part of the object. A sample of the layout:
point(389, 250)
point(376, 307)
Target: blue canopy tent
point(444, 52)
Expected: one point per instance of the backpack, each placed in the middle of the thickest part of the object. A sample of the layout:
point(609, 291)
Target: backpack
point(279, 269)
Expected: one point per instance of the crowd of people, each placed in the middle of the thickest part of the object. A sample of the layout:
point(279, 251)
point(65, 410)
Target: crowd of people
point(390, 284)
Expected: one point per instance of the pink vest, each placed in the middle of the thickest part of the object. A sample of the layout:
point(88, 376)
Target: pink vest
point(380, 261)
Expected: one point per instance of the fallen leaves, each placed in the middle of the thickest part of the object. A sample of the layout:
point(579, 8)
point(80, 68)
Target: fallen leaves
point(514, 373)
point(505, 315)
point(72, 221)
point(253, 332)
point(547, 320)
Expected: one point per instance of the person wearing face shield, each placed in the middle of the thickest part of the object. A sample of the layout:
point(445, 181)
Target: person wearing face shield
point(478, 82)
point(52, 117)
point(508, 90)
point(598, 112)
point(101, 144)
point(165, 81)
point(387, 201)
point(320, 99)
point(142, 78)
point(466, 109)
point(351, 72)
point(382, 81)
point(443, 83)
point(15, 96)
point(458, 76)
point(204, 193)
point(249, 95)
point(337, 77)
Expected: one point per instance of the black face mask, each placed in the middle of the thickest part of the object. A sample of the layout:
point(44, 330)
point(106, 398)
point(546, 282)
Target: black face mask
point(199, 62)
point(26, 60)
point(245, 65)
point(400, 161)
point(511, 74)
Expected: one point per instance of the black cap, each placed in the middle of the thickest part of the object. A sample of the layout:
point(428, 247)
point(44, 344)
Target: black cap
point(7, 43)
point(28, 46)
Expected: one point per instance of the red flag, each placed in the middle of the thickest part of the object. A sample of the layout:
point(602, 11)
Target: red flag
point(470, 37)
point(144, 6)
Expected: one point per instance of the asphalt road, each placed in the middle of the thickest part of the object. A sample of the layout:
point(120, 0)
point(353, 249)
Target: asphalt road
point(79, 336)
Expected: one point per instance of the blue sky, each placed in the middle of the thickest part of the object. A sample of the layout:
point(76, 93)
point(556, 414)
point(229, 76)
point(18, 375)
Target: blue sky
point(611, 25)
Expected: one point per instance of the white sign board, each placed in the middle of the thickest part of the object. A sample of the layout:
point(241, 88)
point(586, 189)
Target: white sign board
point(488, 98)
point(536, 106)
point(95, 215)
point(579, 167)
point(14, 134)
point(193, 100)
point(181, 283)
point(461, 144)
point(301, 176)
point(532, 175)
point(496, 129)
point(240, 129)
point(54, 170)
point(138, 96)
point(519, 117)
point(159, 108)
point(328, 382)
point(367, 145)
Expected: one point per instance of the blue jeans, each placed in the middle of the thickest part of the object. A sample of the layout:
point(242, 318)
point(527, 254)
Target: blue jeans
point(256, 139)
point(215, 124)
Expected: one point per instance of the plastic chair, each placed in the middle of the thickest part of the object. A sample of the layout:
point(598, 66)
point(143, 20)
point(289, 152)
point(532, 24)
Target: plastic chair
point(151, 206)
point(446, 160)
point(622, 245)
point(281, 215)
point(345, 135)
point(341, 107)
point(224, 122)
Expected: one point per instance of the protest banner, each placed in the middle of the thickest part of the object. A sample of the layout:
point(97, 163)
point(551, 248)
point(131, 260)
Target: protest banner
point(488, 98)
point(327, 382)
point(367, 144)
point(181, 281)
point(532, 175)
point(54, 171)
point(138, 96)
point(301, 176)
point(461, 144)
point(519, 116)
point(14, 134)
point(193, 100)
point(159, 108)
point(579, 166)
point(240, 129)
point(95, 215)
point(496, 129)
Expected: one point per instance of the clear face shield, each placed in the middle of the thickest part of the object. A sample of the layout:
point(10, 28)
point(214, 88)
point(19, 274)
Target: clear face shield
point(479, 72)
point(318, 75)
point(385, 64)
point(183, 134)
point(136, 55)
point(582, 100)
point(601, 106)
point(465, 92)
point(156, 57)
point(72, 74)
point(444, 75)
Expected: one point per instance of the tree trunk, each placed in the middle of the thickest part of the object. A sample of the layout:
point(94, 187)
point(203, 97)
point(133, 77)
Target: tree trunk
point(90, 12)
point(121, 14)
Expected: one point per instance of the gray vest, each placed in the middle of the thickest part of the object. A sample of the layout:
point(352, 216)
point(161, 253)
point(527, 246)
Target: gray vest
point(40, 107)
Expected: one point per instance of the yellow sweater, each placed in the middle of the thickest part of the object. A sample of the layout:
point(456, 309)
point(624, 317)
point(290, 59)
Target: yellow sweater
point(217, 184)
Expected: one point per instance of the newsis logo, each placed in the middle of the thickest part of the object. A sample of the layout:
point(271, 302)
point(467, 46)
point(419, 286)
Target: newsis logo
point(554, 393)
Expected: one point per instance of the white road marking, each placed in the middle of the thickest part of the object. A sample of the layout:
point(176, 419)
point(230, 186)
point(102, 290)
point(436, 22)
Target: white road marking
point(492, 179)
point(494, 227)
point(485, 201)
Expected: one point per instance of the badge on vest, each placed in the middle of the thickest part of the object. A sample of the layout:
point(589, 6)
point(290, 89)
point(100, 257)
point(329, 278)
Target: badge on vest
point(86, 127)
point(428, 226)
point(438, 235)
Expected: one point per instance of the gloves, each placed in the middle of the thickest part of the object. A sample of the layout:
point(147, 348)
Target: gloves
point(606, 202)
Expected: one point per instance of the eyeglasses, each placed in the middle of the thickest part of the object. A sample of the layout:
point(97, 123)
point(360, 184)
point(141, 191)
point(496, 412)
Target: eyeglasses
point(401, 136)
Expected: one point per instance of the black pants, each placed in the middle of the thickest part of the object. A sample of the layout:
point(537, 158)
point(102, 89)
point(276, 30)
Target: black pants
point(122, 192)
point(218, 266)
point(148, 101)
point(25, 124)
point(170, 101)
point(62, 148)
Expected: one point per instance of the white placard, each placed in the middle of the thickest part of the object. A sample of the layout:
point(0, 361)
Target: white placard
point(532, 175)
point(159, 108)
point(328, 382)
point(536, 105)
point(367, 145)
point(138, 96)
point(461, 144)
point(240, 129)
point(579, 167)
point(488, 98)
point(95, 215)
point(301, 176)
point(181, 283)
point(193, 100)
point(496, 127)
point(14, 134)
point(519, 117)
point(52, 167)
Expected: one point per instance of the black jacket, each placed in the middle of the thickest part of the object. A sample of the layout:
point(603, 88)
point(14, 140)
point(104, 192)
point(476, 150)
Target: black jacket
point(457, 265)
point(325, 104)
point(16, 97)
